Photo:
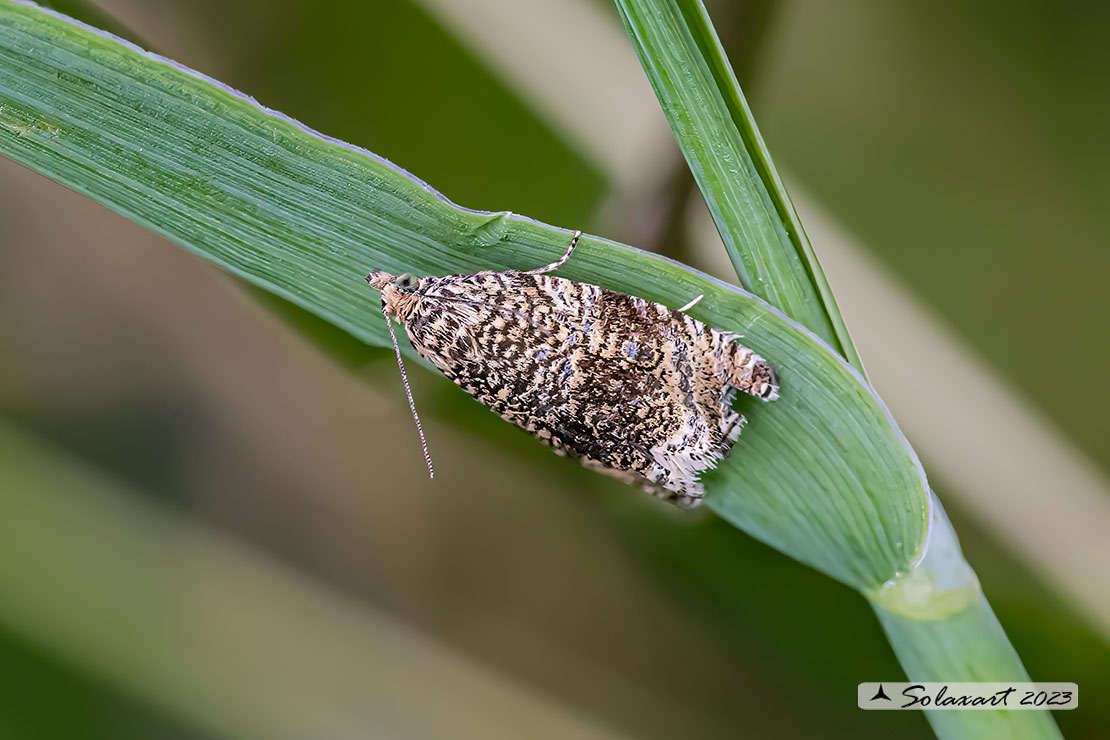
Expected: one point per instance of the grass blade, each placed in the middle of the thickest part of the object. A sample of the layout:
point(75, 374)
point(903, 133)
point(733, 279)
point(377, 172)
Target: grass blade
point(934, 613)
point(823, 473)
point(716, 131)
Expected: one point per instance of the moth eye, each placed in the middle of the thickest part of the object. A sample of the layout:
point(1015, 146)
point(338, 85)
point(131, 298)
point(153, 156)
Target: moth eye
point(405, 281)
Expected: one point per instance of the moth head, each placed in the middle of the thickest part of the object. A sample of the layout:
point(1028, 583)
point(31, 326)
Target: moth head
point(399, 296)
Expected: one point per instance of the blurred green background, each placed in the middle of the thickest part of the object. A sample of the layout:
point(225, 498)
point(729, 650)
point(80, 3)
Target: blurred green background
point(214, 520)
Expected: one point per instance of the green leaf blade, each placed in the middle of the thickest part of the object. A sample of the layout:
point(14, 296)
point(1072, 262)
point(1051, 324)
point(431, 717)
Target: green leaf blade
point(822, 473)
point(714, 127)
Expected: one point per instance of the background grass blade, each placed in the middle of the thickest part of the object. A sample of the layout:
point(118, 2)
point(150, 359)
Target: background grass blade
point(714, 126)
point(822, 474)
point(77, 541)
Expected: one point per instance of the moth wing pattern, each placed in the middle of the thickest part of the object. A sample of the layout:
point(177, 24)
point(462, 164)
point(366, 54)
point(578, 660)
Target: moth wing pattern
point(630, 387)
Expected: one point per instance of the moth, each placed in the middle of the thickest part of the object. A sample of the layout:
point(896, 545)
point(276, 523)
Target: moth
point(631, 388)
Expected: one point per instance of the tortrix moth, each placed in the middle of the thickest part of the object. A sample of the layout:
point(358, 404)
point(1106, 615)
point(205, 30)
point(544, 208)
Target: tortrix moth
point(632, 388)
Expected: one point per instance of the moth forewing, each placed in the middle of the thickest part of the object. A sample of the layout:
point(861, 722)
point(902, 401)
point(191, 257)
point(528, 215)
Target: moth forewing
point(630, 387)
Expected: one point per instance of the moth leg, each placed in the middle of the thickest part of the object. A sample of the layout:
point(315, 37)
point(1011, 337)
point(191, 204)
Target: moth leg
point(749, 373)
point(691, 304)
point(555, 265)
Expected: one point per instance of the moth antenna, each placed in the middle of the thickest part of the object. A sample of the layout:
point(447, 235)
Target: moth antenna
point(692, 303)
point(408, 392)
point(555, 265)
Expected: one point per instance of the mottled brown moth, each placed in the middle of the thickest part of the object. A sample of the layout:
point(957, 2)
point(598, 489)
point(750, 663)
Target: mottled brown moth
point(631, 388)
